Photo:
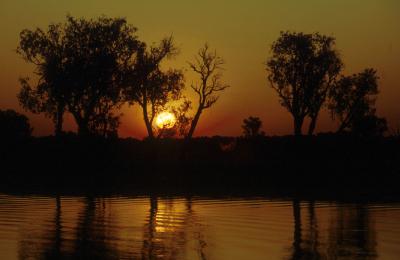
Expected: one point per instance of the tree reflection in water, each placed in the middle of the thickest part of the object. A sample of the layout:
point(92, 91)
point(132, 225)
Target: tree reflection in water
point(52, 250)
point(94, 237)
point(168, 230)
point(174, 228)
point(351, 235)
point(305, 246)
point(55, 251)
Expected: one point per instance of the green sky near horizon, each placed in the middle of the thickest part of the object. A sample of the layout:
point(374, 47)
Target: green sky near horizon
point(367, 34)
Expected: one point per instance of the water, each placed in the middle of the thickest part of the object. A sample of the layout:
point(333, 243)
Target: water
point(39, 227)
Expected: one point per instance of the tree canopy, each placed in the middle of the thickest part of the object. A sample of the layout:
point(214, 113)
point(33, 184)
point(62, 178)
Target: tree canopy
point(14, 125)
point(352, 102)
point(80, 65)
point(91, 67)
point(301, 70)
point(148, 85)
point(46, 50)
point(252, 127)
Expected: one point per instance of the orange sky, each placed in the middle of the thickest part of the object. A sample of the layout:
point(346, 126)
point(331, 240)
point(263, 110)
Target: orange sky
point(367, 33)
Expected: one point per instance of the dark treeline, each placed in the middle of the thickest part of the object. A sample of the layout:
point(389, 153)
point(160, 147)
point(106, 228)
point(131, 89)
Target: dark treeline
point(324, 163)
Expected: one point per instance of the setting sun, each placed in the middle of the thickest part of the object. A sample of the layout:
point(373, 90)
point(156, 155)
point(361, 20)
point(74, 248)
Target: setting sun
point(165, 120)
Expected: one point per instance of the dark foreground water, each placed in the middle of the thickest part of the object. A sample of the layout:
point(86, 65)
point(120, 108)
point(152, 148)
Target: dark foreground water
point(40, 227)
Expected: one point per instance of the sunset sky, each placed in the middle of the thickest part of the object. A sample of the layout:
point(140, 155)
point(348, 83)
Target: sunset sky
point(367, 34)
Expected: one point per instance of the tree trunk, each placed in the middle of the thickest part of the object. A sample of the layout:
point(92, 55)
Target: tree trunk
point(346, 122)
point(81, 121)
point(298, 124)
point(59, 122)
point(341, 128)
point(194, 122)
point(312, 125)
point(83, 128)
point(147, 122)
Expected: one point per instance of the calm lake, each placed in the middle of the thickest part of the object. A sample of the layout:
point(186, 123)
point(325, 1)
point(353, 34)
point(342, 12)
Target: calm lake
point(115, 227)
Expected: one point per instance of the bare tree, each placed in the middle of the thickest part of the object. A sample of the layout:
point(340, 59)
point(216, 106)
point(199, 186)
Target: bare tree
point(208, 65)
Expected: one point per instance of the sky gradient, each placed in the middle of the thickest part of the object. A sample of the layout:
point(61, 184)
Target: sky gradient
point(367, 34)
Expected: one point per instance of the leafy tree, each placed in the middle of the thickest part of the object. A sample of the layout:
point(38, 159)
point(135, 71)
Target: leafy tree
point(252, 127)
point(97, 52)
point(14, 125)
point(322, 78)
point(80, 65)
point(46, 50)
point(208, 66)
point(353, 98)
point(369, 125)
point(301, 70)
point(148, 85)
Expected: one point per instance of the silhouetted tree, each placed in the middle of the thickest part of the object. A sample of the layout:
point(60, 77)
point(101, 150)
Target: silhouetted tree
point(148, 85)
point(183, 120)
point(208, 66)
point(182, 123)
point(105, 123)
point(301, 70)
point(80, 65)
point(46, 50)
point(323, 75)
point(252, 127)
point(395, 132)
point(369, 125)
point(14, 125)
point(97, 53)
point(352, 102)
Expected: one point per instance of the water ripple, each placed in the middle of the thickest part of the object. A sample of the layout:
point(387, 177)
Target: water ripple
point(120, 227)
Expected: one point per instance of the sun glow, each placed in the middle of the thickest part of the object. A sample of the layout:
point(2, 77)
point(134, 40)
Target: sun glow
point(165, 120)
